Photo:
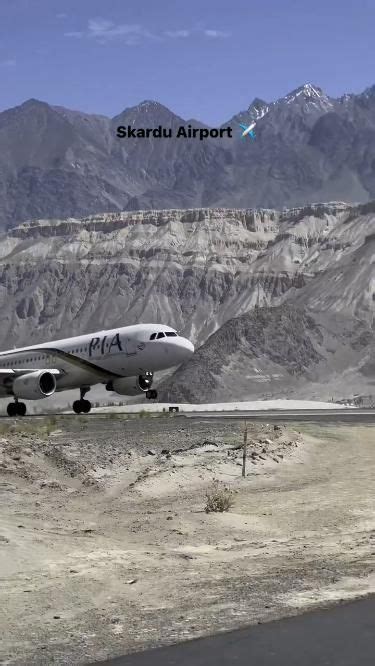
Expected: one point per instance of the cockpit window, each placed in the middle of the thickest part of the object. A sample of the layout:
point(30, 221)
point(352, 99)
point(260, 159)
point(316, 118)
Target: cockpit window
point(168, 334)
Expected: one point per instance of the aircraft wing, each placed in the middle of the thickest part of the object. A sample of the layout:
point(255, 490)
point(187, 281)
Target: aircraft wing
point(9, 372)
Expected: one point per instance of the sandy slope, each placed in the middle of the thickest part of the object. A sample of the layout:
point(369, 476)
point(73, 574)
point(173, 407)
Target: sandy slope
point(119, 554)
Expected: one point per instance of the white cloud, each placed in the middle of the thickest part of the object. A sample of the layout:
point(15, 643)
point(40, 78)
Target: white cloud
point(212, 34)
point(10, 62)
point(130, 33)
point(103, 31)
point(216, 34)
point(177, 34)
point(61, 16)
point(77, 34)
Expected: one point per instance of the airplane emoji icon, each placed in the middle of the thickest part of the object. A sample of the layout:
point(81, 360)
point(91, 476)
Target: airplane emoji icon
point(248, 130)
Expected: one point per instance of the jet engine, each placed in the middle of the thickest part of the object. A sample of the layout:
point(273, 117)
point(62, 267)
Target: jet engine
point(131, 385)
point(34, 385)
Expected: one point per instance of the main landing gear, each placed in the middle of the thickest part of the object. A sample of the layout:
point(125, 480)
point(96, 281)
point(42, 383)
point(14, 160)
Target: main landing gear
point(82, 406)
point(152, 394)
point(16, 408)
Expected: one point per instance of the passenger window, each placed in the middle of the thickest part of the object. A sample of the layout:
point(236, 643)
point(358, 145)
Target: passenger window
point(160, 335)
point(153, 336)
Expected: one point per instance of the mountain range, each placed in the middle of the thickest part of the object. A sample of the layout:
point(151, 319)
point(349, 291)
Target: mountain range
point(278, 303)
point(309, 147)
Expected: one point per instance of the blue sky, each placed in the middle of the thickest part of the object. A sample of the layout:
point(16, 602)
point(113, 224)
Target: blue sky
point(205, 59)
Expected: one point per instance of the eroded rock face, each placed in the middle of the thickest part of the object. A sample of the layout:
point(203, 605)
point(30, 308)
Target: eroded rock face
point(197, 270)
point(193, 269)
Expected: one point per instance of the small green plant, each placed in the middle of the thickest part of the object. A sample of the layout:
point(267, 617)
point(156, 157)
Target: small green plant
point(50, 424)
point(219, 498)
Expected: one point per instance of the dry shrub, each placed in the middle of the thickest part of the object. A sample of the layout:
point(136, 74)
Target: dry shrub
point(219, 498)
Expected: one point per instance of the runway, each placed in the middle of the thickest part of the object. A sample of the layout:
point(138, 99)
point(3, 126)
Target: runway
point(353, 415)
point(341, 636)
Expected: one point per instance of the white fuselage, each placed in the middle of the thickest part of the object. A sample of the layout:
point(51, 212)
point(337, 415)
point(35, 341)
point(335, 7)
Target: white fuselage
point(100, 357)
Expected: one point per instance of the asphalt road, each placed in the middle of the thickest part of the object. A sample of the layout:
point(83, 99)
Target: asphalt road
point(353, 415)
point(341, 636)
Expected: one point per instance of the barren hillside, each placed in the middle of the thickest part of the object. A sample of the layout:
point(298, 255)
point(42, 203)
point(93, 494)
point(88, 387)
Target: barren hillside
point(197, 270)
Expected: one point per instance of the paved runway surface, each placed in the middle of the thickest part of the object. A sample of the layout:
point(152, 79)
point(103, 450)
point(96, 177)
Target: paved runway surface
point(353, 415)
point(341, 636)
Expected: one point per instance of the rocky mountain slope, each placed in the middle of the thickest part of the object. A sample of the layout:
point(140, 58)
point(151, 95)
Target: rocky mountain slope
point(281, 351)
point(309, 270)
point(55, 162)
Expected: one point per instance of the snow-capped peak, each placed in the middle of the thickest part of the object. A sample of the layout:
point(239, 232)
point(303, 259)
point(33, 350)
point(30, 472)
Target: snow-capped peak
point(346, 97)
point(258, 108)
point(369, 92)
point(312, 91)
point(149, 104)
point(307, 90)
point(308, 94)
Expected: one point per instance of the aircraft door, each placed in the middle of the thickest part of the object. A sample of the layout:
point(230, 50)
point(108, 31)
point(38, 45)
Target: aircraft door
point(130, 345)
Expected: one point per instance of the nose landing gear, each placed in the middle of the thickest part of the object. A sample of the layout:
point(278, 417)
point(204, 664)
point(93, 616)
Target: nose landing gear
point(82, 406)
point(152, 394)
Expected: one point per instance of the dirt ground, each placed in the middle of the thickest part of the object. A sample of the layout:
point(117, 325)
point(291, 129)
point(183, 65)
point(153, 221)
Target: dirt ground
point(106, 548)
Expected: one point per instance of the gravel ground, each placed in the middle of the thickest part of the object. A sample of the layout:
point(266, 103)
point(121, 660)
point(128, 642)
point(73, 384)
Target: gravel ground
point(106, 547)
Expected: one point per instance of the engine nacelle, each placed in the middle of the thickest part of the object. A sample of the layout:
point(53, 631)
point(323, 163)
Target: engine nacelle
point(131, 385)
point(34, 385)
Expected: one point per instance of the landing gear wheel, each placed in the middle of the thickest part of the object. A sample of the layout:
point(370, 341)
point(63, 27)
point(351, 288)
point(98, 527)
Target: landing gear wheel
point(151, 394)
point(16, 409)
point(85, 406)
point(12, 409)
point(21, 408)
point(81, 406)
point(77, 406)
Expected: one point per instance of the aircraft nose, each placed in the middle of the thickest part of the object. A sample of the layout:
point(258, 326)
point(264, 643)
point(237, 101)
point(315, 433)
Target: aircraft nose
point(176, 349)
point(186, 348)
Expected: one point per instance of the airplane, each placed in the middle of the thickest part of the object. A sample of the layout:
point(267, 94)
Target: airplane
point(248, 130)
point(123, 359)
